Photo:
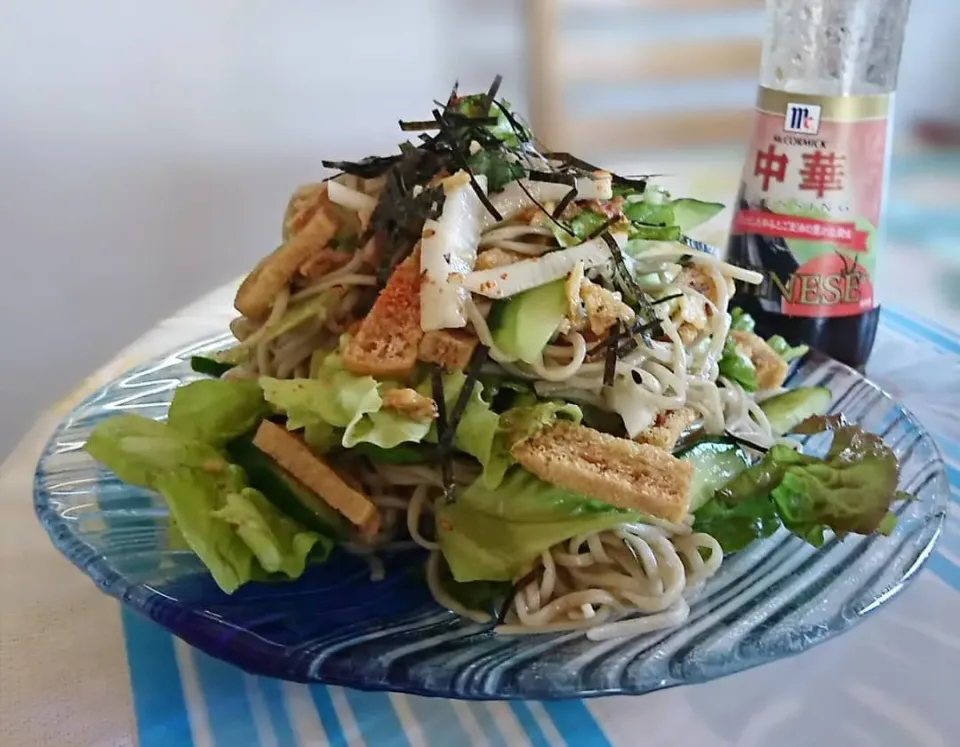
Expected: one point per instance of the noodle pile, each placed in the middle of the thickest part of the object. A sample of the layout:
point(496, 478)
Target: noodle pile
point(625, 581)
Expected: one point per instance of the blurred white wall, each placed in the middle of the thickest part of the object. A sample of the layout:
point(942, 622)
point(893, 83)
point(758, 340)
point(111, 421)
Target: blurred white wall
point(147, 149)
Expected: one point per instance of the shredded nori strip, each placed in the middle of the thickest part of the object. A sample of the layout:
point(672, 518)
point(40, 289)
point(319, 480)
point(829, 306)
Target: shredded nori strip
point(462, 162)
point(571, 160)
point(515, 589)
point(463, 399)
point(553, 177)
point(564, 203)
point(610, 359)
point(416, 126)
point(523, 134)
point(603, 229)
point(563, 227)
point(443, 455)
point(368, 168)
point(744, 442)
point(493, 91)
point(665, 299)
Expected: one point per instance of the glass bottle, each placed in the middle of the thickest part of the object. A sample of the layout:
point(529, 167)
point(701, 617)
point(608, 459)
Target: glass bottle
point(811, 202)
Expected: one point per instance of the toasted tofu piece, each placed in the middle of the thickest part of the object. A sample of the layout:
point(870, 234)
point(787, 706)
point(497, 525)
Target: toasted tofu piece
point(292, 454)
point(323, 262)
point(496, 257)
point(697, 278)
point(771, 368)
point(603, 308)
point(450, 348)
point(274, 272)
point(668, 427)
point(622, 473)
point(410, 403)
point(387, 343)
point(304, 202)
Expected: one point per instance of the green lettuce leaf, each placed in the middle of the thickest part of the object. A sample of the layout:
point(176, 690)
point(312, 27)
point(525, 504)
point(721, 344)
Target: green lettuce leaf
point(196, 482)
point(519, 424)
point(217, 410)
point(850, 490)
point(735, 527)
point(278, 543)
point(337, 399)
point(496, 534)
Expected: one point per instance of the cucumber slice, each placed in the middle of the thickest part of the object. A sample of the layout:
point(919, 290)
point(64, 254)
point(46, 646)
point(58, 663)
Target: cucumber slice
point(288, 495)
point(715, 463)
point(689, 213)
point(787, 410)
point(523, 325)
point(209, 366)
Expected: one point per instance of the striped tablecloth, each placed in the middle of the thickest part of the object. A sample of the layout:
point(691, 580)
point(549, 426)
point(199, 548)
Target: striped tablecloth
point(76, 669)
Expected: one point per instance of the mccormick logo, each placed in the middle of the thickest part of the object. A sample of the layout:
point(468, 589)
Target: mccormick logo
point(802, 118)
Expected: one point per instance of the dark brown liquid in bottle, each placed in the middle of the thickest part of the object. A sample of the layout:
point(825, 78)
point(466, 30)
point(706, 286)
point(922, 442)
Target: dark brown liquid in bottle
point(848, 339)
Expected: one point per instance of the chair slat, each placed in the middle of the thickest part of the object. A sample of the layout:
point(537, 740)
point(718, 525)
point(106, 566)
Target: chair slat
point(655, 130)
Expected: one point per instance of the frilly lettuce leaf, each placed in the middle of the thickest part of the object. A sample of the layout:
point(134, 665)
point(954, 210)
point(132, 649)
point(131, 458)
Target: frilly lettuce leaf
point(850, 490)
point(217, 410)
point(335, 398)
point(279, 544)
point(197, 483)
point(518, 424)
point(496, 534)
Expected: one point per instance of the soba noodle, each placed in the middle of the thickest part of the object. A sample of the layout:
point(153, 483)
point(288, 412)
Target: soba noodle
point(632, 579)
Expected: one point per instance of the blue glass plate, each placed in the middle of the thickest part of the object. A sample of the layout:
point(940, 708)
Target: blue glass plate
point(336, 626)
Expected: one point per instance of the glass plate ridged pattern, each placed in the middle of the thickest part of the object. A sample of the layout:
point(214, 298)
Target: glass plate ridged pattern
point(335, 625)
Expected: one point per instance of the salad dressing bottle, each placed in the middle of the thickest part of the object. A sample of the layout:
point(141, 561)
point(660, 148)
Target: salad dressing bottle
point(810, 208)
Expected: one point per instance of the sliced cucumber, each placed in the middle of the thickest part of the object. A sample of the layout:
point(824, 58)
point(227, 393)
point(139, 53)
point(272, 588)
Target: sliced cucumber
point(523, 325)
point(715, 463)
point(288, 495)
point(689, 213)
point(787, 410)
point(209, 366)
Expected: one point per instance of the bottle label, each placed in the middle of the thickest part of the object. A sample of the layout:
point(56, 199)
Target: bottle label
point(810, 202)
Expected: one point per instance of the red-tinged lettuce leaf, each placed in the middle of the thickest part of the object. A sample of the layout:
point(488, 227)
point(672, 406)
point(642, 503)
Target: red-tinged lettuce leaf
point(850, 490)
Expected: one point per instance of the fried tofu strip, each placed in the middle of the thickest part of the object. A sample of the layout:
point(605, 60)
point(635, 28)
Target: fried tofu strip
point(450, 348)
point(387, 343)
point(668, 427)
point(274, 272)
point(622, 473)
point(293, 455)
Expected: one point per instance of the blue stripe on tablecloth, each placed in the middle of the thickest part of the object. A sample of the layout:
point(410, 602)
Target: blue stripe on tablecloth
point(328, 715)
point(160, 704)
point(941, 336)
point(530, 726)
point(279, 716)
point(441, 724)
point(576, 723)
point(484, 717)
point(376, 718)
point(225, 698)
point(158, 700)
